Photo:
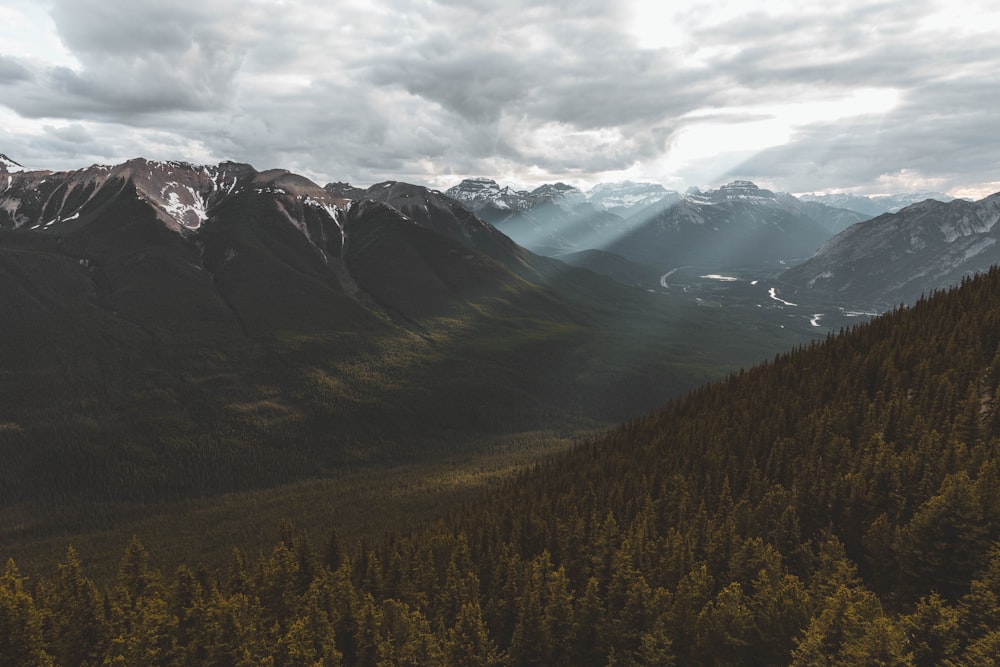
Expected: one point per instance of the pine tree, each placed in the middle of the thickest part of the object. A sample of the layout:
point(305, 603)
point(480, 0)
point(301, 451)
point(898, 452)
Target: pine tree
point(932, 631)
point(76, 628)
point(21, 622)
point(469, 643)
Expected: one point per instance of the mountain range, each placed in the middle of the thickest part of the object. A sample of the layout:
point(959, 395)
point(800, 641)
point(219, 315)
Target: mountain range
point(175, 330)
point(876, 204)
point(738, 225)
point(833, 252)
point(249, 312)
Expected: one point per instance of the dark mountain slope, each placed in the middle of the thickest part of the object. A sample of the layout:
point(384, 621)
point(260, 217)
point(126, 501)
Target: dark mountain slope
point(433, 210)
point(409, 269)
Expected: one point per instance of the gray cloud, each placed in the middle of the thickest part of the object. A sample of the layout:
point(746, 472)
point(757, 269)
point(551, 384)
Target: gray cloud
point(138, 58)
point(529, 91)
point(74, 134)
point(12, 71)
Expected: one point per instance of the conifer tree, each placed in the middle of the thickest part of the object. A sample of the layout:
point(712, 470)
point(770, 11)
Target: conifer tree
point(21, 622)
point(76, 628)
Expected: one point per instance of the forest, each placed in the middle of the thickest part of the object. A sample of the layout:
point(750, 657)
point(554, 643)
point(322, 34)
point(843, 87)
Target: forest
point(837, 505)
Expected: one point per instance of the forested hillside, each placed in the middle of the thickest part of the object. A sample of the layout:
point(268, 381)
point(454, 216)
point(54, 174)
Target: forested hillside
point(838, 505)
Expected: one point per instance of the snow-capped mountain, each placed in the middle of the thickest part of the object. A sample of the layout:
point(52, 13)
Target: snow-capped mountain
point(735, 191)
point(179, 193)
point(8, 168)
point(896, 257)
point(551, 219)
point(874, 205)
point(485, 197)
point(625, 196)
point(560, 194)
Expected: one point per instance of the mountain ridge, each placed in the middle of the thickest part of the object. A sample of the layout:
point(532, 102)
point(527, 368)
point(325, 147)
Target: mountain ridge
point(632, 219)
point(924, 247)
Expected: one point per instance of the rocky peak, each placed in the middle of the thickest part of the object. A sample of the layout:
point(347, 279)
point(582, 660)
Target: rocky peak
point(344, 190)
point(8, 165)
point(480, 194)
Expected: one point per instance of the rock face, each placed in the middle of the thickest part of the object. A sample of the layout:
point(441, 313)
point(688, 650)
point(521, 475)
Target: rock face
point(896, 257)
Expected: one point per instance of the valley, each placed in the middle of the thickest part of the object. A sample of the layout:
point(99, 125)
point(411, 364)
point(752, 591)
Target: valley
point(182, 332)
point(742, 290)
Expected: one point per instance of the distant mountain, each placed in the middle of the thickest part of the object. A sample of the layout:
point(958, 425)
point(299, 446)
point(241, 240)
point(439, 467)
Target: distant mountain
point(625, 197)
point(485, 194)
point(738, 225)
point(896, 257)
point(550, 220)
point(875, 205)
point(485, 198)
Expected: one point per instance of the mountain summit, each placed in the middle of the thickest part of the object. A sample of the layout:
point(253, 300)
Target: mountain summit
point(8, 165)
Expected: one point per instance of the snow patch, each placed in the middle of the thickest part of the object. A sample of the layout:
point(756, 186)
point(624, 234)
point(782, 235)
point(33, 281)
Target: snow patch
point(179, 210)
point(773, 293)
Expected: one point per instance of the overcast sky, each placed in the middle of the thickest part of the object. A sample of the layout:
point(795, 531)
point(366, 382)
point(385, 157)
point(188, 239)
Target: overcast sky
point(797, 95)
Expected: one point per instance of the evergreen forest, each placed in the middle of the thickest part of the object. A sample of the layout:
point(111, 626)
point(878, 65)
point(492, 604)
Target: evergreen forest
point(837, 505)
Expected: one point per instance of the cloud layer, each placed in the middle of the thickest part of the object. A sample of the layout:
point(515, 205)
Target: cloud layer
point(800, 96)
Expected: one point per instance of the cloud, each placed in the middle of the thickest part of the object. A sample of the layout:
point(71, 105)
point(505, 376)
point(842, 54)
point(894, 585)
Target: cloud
point(73, 133)
point(138, 58)
point(12, 71)
point(684, 92)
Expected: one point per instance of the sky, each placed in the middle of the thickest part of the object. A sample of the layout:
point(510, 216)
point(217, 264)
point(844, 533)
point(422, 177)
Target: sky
point(797, 95)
